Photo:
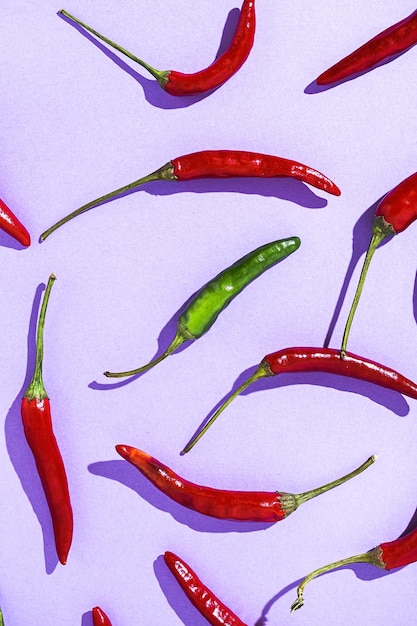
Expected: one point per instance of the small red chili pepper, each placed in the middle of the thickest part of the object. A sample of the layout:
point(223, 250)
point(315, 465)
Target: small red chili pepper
point(37, 424)
point(204, 600)
point(386, 45)
point(247, 506)
point(99, 617)
point(217, 164)
point(12, 226)
point(325, 360)
point(388, 556)
point(394, 213)
point(223, 68)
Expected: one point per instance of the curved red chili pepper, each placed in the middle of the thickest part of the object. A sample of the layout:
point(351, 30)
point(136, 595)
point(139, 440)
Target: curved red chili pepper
point(37, 424)
point(248, 506)
point(394, 213)
point(387, 44)
point(326, 360)
point(12, 226)
point(223, 68)
point(99, 617)
point(388, 556)
point(217, 164)
point(204, 600)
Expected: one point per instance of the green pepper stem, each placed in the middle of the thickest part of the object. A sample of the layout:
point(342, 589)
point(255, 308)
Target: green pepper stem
point(161, 76)
point(380, 230)
point(181, 335)
point(262, 370)
point(1, 618)
point(36, 389)
point(166, 172)
point(300, 498)
point(373, 557)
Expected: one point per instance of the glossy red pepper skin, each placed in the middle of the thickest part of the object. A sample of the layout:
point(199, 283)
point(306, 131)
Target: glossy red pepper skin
point(99, 617)
point(398, 207)
point(326, 360)
point(204, 600)
point(387, 44)
point(257, 506)
point(400, 552)
point(37, 424)
point(12, 226)
point(240, 163)
point(223, 68)
point(241, 506)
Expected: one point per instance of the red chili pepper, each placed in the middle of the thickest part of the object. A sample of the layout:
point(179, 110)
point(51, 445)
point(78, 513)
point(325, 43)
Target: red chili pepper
point(247, 506)
point(37, 424)
point(217, 164)
point(99, 617)
point(388, 556)
point(200, 596)
point(12, 226)
point(386, 45)
point(325, 360)
point(394, 213)
point(223, 68)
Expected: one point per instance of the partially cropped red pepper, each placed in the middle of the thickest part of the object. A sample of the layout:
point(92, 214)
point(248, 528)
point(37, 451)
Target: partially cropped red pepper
point(204, 600)
point(327, 360)
point(99, 617)
point(223, 68)
point(12, 226)
point(387, 556)
point(394, 213)
point(384, 46)
point(217, 164)
point(243, 506)
point(37, 424)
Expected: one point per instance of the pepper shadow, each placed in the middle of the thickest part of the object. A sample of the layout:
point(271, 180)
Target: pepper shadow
point(362, 233)
point(127, 475)
point(7, 241)
point(175, 596)
point(86, 619)
point(153, 92)
point(287, 189)
point(20, 453)
point(415, 299)
point(392, 400)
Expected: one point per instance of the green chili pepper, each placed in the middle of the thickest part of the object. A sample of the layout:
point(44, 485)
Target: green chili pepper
point(204, 308)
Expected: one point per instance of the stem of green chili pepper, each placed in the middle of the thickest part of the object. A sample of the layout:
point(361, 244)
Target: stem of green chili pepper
point(161, 76)
point(262, 371)
point(166, 172)
point(178, 340)
point(1, 618)
point(300, 498)
point(36, 388)
point(370, 557)
point(380, 230)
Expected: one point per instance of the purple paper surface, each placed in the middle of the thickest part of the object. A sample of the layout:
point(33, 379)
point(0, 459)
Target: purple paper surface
point(79, 120)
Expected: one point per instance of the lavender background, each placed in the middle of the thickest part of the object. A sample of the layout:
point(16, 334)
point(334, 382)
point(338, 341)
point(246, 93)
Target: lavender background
point(78, 120)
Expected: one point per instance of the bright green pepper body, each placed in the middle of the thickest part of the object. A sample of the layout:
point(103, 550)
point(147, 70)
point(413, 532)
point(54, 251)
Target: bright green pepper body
point(217, 294)
point(203, 310)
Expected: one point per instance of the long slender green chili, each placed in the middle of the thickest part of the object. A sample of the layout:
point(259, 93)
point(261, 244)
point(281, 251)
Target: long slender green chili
point(216, 295)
